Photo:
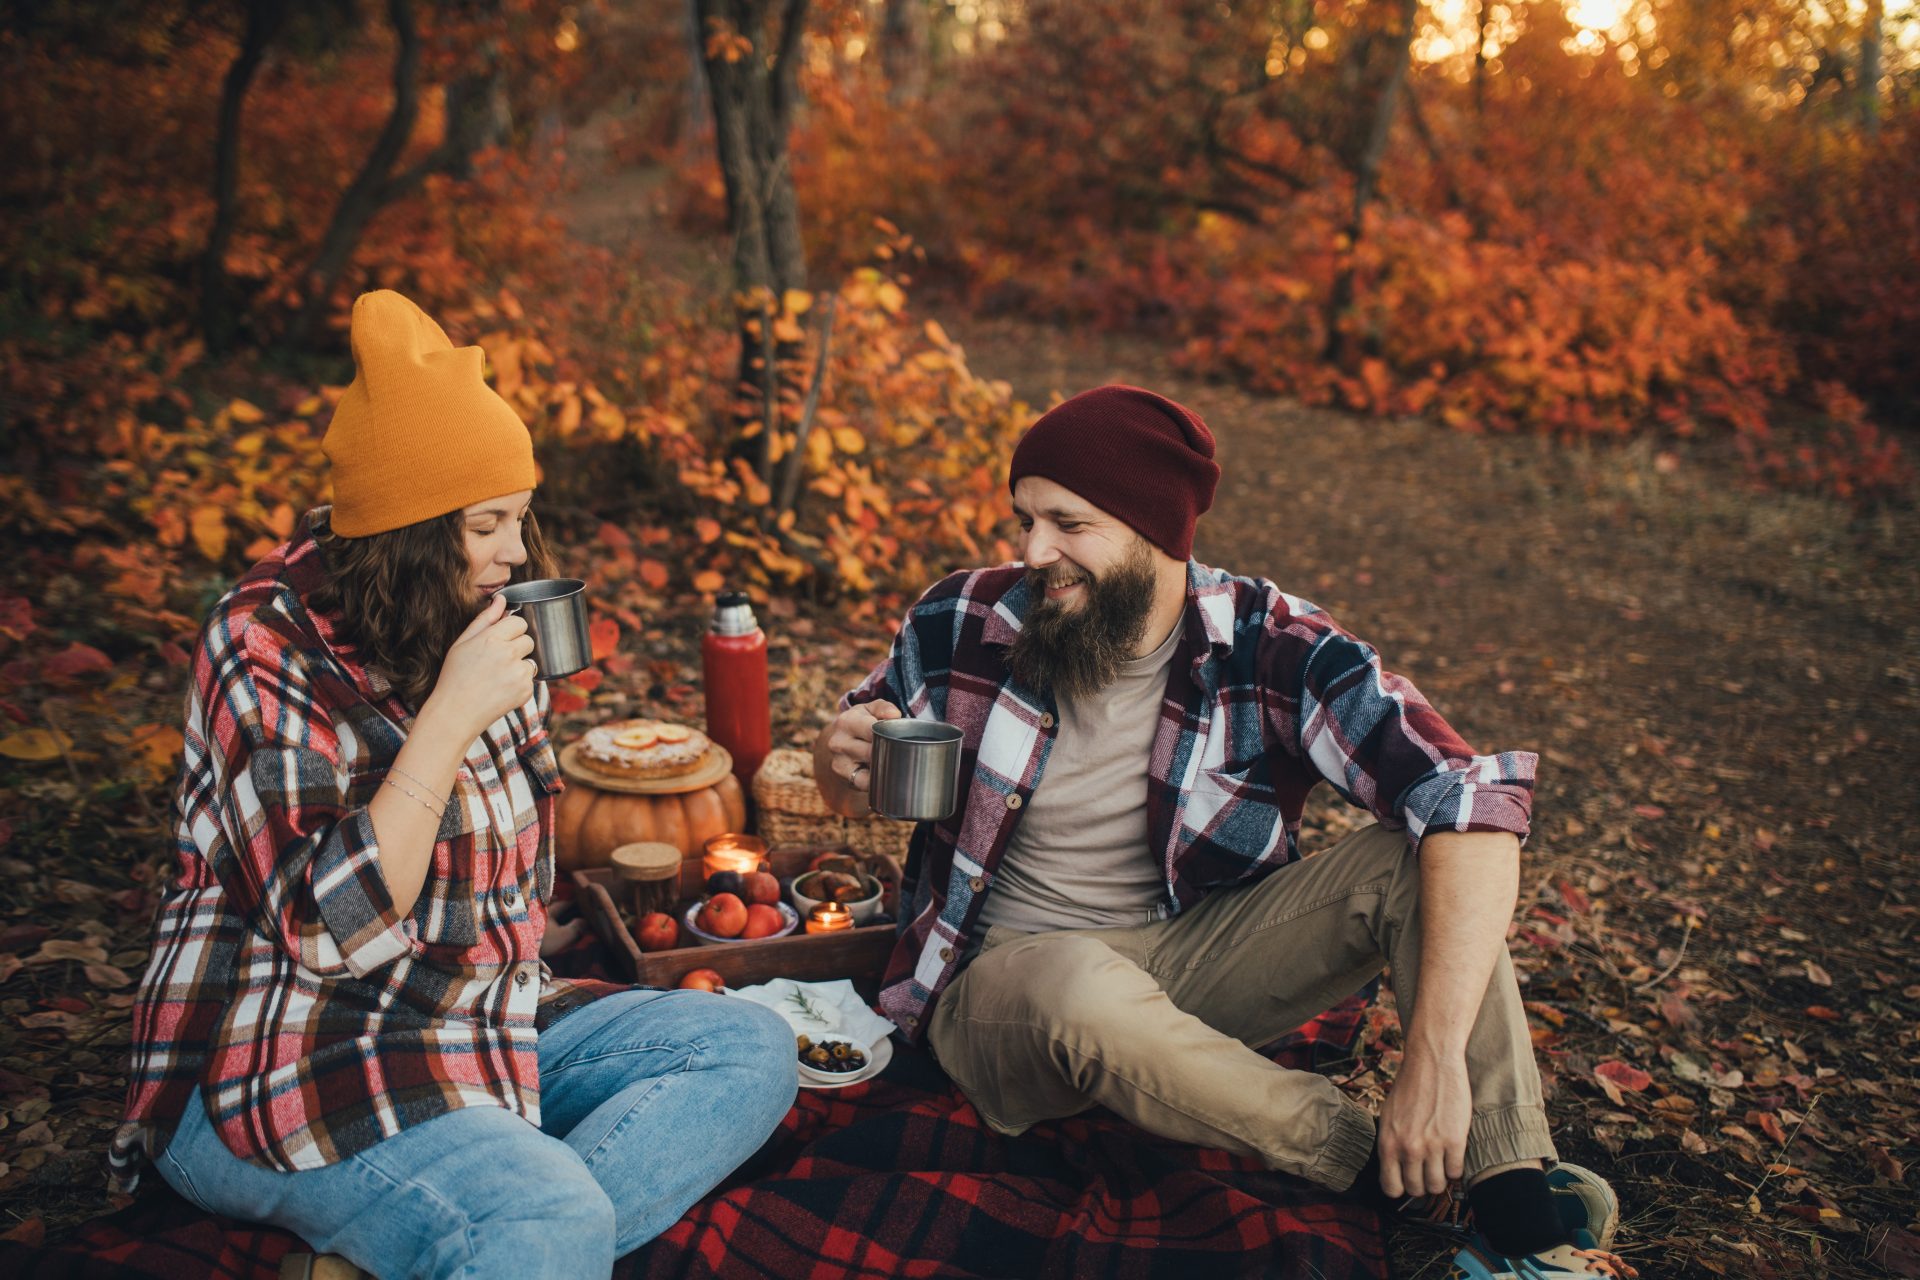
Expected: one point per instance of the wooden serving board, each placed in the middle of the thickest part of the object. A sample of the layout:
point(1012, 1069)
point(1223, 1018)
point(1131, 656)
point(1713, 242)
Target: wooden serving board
point(860, 954)
point(715, 765)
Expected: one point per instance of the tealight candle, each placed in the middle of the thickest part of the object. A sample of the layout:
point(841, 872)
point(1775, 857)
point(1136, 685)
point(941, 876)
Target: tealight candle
point(733, 852)
point(829, 917)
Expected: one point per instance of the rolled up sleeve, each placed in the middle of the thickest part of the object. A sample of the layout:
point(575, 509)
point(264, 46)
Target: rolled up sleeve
point(1382, 745)
point(1485, 793)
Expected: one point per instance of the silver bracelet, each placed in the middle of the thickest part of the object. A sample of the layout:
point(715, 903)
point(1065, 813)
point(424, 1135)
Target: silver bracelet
point(394, 768)
point(409, 793)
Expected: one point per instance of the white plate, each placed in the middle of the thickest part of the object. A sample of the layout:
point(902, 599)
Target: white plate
point(877, 1059)
point(789, 921)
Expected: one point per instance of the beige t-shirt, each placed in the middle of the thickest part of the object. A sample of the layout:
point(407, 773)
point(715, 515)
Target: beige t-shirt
point(1079, 857)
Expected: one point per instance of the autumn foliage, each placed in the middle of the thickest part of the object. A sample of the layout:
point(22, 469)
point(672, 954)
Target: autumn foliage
point(1593, 237)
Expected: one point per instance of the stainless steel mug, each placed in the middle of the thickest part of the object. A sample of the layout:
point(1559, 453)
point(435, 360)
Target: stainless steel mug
point(556, 614)
point(916, 770)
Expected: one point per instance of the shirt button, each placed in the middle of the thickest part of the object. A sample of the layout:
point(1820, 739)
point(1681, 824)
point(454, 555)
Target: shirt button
point(912, 1021)
point(976, 884)
point(1046, 721)
point(512, 895)
point(520, 978)
point(946, 955)
point(1013, 802)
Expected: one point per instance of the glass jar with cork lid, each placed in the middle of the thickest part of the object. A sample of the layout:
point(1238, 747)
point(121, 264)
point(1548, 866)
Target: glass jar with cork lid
point(650, 870)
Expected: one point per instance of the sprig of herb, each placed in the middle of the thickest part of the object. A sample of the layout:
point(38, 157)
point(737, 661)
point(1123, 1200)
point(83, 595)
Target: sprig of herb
point(809, 1007)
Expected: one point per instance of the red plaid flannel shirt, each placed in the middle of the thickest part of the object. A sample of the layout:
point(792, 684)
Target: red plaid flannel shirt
point(1266, 699)
point(315, 1018)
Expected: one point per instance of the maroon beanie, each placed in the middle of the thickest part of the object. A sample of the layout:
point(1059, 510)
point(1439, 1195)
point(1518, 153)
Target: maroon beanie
point(1135, 455)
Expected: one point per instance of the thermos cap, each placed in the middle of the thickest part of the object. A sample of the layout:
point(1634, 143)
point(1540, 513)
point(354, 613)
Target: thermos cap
point(733, 615)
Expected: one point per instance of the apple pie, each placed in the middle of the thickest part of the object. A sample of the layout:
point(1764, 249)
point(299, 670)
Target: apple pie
point(644, 749)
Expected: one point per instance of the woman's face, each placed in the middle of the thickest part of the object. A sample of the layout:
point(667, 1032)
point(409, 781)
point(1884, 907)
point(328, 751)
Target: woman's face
point(491, 533)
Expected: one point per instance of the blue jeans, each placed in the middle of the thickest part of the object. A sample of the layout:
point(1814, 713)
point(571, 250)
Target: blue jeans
point(647, 1100)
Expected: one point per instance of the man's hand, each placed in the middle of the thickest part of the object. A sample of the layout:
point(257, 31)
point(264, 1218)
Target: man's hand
point(1423, 1126)
point(843, 756)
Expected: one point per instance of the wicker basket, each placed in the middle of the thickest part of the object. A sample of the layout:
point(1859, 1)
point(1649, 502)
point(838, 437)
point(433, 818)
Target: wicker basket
point(875, 835)
point(784, 784)
point(794, 830)
point(794, 813)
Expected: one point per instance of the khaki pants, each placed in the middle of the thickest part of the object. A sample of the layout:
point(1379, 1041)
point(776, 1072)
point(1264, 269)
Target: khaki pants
point(1155, 1021)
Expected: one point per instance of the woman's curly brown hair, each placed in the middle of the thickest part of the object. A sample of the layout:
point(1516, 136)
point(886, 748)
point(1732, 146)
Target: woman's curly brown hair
point(402, 596)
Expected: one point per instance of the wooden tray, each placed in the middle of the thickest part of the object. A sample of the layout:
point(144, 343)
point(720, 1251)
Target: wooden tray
point(860, 954)
point(715, 765)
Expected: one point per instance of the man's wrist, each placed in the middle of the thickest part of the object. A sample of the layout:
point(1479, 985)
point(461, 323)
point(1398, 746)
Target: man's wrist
point(1441, 1047)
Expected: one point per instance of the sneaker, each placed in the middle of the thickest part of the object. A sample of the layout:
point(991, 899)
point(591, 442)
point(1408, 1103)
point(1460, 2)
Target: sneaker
point(1585, 1201)
point(1476, 1261)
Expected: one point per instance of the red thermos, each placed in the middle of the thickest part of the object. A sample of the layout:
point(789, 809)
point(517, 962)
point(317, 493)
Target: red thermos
point(733, 661)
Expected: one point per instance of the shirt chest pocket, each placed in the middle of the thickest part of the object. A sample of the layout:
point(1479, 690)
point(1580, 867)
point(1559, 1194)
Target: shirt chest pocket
point(1236, 808)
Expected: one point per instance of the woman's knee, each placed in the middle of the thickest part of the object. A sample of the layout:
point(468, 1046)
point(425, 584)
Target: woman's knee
point(759, 1044)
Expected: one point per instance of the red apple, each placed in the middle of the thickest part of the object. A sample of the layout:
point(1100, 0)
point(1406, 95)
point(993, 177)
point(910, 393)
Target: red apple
point(702, 980)
point(656, 931)
point(763, 921)
point(723, 915)
point(762, 887)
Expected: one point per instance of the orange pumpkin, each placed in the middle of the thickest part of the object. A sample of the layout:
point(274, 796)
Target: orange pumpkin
point(590, 824)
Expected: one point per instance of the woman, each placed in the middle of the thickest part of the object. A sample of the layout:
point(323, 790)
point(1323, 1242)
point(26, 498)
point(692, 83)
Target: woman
point(345, 1028)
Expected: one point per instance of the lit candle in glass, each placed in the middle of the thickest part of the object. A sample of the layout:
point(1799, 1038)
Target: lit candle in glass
point(829, 917)
point(731, 852)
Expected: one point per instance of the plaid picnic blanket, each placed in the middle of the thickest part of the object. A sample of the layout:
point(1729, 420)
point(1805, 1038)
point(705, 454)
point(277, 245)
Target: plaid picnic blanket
point(893, 1177)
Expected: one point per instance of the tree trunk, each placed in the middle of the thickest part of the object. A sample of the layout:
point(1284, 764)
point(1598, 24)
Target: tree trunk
point(904, 33)
point(217, 319)
point(476, 116)
point(368, 191)
point(1366, 175)
point(752, 71)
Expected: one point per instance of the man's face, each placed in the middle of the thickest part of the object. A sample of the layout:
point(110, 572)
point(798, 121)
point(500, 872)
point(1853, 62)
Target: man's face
point(1067, 542)
point(1095, 577)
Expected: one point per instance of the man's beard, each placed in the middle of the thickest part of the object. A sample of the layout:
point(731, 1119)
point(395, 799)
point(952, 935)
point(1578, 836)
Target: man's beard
point(1074, 652)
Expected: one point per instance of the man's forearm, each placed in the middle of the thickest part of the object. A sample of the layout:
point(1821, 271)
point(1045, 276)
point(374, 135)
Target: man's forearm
point(1469, 881)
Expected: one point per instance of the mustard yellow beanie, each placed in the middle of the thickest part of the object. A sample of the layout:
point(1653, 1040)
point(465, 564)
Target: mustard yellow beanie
point(419, 432)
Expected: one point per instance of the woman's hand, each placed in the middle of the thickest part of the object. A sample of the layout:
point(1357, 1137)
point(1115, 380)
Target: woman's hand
point(487, 672)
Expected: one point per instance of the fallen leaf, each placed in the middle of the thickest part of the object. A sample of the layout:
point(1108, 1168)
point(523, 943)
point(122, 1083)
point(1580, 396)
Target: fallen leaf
point(67, 949)
point(35, 744)
point(605, 636)
point(106, 976)
point(1818, 976)
point(1899, 1252)
point(1626, 1076)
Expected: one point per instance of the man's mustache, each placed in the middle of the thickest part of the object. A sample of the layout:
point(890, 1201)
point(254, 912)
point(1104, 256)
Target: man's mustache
point(1057, 576)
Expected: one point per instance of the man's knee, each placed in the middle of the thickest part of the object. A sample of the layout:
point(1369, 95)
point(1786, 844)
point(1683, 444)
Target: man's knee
point(1055, 979)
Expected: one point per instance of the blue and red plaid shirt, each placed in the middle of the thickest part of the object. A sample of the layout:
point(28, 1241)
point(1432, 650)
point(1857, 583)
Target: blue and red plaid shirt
point(1266, 698)
point(316, 1019)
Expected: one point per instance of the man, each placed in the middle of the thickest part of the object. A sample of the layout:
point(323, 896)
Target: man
point(1118, 909)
